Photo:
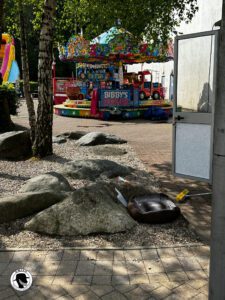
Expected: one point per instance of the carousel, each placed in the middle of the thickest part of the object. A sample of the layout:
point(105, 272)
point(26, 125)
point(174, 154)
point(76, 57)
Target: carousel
point(101, 86)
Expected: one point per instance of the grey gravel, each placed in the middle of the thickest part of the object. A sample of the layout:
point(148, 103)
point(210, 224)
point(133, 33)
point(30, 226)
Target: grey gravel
point(13, 176)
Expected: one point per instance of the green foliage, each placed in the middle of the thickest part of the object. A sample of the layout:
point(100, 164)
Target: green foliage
point(33, 86)
point(8, 92)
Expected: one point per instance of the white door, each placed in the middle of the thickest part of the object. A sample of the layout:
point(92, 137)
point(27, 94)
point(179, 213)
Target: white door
point(194, 96)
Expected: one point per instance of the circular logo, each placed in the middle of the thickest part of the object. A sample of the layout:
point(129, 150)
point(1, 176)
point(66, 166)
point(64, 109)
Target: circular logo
point(21, 280)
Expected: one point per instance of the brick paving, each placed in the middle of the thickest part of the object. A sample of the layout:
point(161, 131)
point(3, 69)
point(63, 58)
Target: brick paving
point(155, 273)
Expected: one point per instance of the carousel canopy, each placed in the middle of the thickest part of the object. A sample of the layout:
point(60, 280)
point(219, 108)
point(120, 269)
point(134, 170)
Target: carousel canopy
point(114, 45)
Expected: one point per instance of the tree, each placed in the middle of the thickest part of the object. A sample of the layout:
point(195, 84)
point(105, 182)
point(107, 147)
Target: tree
point(25, 71)
point(43, 141)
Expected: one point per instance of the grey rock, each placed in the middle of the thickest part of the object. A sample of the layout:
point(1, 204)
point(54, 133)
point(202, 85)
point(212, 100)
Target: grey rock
point(108, 151)
point(58, 140)
point(93, 169)
point(51, 181)
point(72, 135)
point(15, 145)
point(99, 138)
point(23, 205)
point(92, 209)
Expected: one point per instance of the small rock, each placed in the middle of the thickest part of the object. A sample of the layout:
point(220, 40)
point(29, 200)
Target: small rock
point(23, 205)
point(99, 138)
point(93, 169)
point(51, 181)
point(58, 140)
point(72, 135)
point(92, 209)
point(15, 145)
point(108, 151)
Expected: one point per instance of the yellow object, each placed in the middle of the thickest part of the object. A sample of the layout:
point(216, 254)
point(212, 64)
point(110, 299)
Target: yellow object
point(181, 196)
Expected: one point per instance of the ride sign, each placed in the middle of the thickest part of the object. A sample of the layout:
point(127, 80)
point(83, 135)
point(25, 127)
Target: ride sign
point(117, 98)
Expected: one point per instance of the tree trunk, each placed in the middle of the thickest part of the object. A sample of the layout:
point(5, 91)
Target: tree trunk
point(25, 72)
point(217, 255)
point(43, 140)
point(1, 20)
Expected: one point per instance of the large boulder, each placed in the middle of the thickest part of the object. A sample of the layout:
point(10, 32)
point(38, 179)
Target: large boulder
point(93, 169)
point(58, 140)
point(23, 205)
point(72, 135)
point(51, 181)
point(99, 138)
point(15, 145)
point(92, 209)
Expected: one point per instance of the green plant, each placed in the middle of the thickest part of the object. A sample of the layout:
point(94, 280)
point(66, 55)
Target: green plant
point(8, 93)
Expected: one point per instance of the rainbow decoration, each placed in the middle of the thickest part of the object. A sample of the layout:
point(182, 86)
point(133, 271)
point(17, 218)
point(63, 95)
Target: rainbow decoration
point(9, 68)
point(114, 45)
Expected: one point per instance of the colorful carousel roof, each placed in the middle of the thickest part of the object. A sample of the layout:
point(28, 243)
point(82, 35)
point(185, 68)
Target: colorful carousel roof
point(114, 45)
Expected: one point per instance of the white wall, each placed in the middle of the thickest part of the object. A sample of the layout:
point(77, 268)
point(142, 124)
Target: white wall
point(210, 11)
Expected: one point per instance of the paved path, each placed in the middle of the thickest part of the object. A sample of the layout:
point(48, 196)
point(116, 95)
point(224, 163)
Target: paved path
point(155, 273)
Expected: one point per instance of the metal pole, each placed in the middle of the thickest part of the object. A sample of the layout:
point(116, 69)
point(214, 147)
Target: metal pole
point(217, 259)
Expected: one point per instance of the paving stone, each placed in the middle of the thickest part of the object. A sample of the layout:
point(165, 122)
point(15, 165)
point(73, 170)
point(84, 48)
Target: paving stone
point(34, 294)
point(197, 274)
point(189, 263)
point(88, 296)
point(84, 279)
point(65, 297)
point(185, 291)
point(42, 280)
point(119, 268)
point(173, 297)
point(101, 290)
point(137, 293)
point(200, 296)
point(135, 267)
point(201, 251)
point(114, 296)
point(117, 279)
point(9, 292)
point(148, 254)
point(177, 276)
point(123, 288)
point(203, 261)
point(76, 290)
point(37, 256)
point(166, 252)
point(158, 277)
point(161, 292)
point(183, 251)
point(21, 256)
point(4, 281)
point(66, 268)
point(62, 280)
point(85, 268)
point(154, 266)
point(3, 266)
point(150, 287)
point(12, 267)
point(171, 264)
point(49, 267)
point(139, 279)
point(103, 269)
point(6, 256)
point(88, 255)
point(101, 280)
point(197, 284)
point(133, 255)
point(52, 291)
point(204, 289)
point(119, 255)
point(105, 255)
point(71, 255)
point(54, 255)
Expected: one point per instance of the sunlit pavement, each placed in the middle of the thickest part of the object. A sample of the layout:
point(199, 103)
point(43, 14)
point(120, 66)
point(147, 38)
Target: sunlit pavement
point(153, 273)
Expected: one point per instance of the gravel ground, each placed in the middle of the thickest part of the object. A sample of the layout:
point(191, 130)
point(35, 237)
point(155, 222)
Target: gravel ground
point(14, 174)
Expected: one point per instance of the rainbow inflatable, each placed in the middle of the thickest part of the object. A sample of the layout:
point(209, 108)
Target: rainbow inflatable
point(9, 67)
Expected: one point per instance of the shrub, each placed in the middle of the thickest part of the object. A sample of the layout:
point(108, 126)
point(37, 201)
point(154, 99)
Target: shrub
point(8, 93)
